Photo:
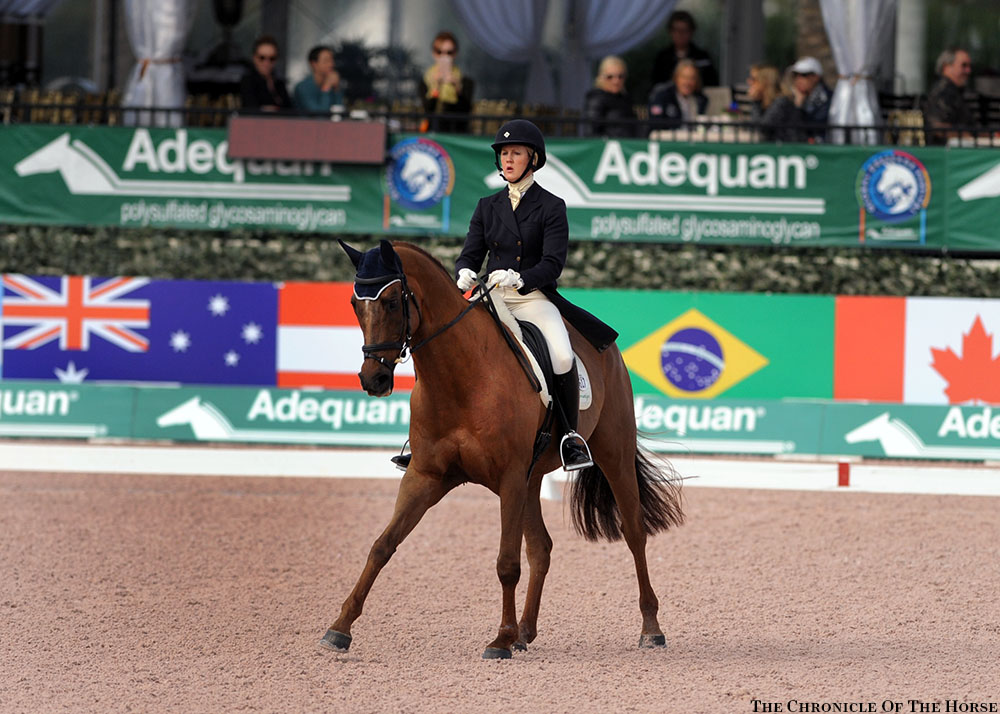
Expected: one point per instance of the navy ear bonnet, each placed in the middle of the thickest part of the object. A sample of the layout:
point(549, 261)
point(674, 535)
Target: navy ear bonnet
point(378, 268)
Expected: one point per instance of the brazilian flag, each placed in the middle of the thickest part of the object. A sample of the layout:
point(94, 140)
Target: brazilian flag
point(708, 345)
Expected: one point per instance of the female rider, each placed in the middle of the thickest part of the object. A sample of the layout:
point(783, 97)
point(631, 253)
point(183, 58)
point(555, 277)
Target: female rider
point(523, 234)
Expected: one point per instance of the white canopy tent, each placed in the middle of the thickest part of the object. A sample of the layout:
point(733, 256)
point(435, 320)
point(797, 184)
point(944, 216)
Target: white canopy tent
point(855, 29)
point(157, 30)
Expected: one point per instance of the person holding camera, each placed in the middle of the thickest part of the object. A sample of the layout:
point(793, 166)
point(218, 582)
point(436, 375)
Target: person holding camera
point(444, 89)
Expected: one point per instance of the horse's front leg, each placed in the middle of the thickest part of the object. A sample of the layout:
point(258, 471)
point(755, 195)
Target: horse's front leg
point(417, 493)
point(513, 492)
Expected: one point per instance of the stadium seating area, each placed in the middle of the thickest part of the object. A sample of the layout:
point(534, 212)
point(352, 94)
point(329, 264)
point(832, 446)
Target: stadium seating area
point(902, 116)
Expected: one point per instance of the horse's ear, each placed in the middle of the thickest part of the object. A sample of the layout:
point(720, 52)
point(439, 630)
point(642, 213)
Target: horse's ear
point(389, 257)
point(352, 253)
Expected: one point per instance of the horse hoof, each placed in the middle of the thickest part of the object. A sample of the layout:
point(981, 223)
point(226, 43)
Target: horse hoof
point(650, 641)
point(520, 646)
point(336, 641)
point(496, 653)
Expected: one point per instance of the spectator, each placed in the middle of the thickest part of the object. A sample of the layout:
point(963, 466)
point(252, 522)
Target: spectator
point(946, 106)
point(674, 103)
point(681, 27)
point(321, 90)
point(260, 88)
point(608, 100)
point(443, 88)
point(772, 110)
point(812, 96)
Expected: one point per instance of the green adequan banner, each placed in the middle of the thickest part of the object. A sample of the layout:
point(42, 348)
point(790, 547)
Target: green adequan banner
point(179, 178)
point(334, 418)
point(61, 411)
point(700, 192)
point(820, 429)
point(273, 416)
point(628, 190)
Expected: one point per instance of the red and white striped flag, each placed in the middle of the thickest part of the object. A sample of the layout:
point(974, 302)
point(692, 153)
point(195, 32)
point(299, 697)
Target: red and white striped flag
point(319, 341)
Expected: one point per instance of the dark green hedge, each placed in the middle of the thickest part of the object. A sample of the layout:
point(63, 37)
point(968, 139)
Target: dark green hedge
point(270, 256)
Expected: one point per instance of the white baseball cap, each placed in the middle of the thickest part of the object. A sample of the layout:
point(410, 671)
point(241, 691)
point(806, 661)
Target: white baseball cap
point(807, 65)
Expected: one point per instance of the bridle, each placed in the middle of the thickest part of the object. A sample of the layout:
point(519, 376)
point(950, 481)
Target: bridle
point(403, 345)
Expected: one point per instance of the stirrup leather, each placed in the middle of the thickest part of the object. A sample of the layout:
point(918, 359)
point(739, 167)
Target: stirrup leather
point(573, 436)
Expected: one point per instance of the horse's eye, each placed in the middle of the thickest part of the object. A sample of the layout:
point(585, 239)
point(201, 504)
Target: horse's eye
point(392, 304)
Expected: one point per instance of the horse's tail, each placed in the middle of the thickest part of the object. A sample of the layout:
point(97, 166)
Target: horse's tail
point(595, 512)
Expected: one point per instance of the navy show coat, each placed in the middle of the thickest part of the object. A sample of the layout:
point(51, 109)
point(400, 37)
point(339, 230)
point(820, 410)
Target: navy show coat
point(534, 241)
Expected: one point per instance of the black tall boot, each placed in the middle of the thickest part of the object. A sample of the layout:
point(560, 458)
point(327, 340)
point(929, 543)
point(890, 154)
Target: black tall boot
point(573, 450)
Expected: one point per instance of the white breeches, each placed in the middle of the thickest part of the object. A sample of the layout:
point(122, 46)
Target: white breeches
point(536, 309)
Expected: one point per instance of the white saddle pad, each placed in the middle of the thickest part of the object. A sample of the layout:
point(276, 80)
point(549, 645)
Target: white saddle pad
point(586, 390)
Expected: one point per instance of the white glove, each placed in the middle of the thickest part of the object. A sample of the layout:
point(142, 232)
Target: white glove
point(505, 279)
point(466, 279)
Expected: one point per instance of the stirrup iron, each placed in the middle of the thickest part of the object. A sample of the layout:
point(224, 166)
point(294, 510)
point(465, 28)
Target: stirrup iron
point(574, 436)
point(402, 459)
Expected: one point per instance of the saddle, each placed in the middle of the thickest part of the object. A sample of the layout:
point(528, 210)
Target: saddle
point(532, 343)
point(532, 351)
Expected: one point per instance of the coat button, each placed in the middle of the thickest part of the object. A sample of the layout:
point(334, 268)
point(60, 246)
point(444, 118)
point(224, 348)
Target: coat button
point(519, 242)
point(517, 258)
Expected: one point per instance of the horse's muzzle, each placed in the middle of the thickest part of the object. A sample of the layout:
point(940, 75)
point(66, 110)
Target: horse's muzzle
point(377, 382)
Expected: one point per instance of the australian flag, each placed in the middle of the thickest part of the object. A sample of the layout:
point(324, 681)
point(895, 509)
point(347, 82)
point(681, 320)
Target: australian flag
point(121, 329)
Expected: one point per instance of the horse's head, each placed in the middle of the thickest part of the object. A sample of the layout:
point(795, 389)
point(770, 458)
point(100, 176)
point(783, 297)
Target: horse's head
point(383, 304)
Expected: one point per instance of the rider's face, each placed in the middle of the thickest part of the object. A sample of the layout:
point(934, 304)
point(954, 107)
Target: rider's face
point(513, 161)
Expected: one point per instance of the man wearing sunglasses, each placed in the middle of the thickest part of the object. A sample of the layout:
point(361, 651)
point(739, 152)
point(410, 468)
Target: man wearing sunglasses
point(946, 106)
point(444, 89)
point(260, 88)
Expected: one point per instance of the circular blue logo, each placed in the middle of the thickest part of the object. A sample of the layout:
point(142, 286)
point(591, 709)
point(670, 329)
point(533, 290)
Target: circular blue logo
point(692, 359)
point(420, 173)
point(893, 186)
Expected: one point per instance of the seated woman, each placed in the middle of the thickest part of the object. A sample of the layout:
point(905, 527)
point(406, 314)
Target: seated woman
point(672, 104)
point(772, 109)
point(608, 100)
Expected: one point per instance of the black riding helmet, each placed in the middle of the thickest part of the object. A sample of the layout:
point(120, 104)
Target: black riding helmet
point(521, 131)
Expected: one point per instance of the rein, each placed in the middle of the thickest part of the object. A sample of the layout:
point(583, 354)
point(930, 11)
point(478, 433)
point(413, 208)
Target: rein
point(508, 338)
point(403, 344)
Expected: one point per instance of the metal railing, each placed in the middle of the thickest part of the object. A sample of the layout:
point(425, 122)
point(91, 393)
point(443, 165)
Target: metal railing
point(899, 127)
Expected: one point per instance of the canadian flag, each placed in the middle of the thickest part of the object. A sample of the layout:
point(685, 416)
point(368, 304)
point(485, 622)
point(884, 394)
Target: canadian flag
point(917, 350)
point(319, 341)
point(951, 351)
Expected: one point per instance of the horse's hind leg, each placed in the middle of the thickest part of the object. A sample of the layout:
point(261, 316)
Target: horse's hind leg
point(416, 494)
point(616, 457)
point(539, 547)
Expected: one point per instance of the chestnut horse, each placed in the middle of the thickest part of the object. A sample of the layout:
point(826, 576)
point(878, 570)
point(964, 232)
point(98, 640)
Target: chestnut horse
point(473, 418)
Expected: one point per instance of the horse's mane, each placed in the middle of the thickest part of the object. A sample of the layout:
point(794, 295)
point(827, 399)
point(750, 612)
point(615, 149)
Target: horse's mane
point(420, 251)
